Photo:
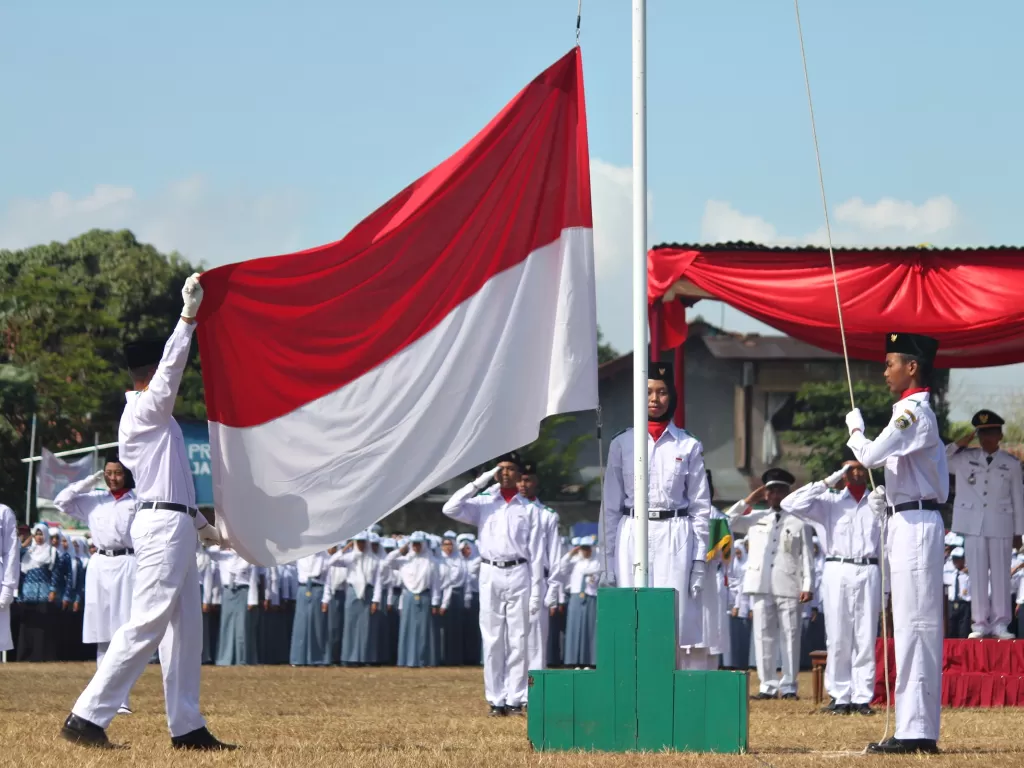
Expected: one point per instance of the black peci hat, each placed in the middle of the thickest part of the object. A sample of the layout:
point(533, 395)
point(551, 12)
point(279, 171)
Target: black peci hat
point(914, 344)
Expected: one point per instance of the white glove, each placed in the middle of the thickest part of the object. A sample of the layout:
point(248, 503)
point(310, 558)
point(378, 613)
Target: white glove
point(855, 421)
point(696, 578)
point(877, 502)
point(485, 479)
point(6, 598)
point(192, 295)
point(551, 599)
point(209, 534)
point(534, 603)
point(836, 476)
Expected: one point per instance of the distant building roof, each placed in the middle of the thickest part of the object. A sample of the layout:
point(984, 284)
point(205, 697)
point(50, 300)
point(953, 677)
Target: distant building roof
point(725, 345)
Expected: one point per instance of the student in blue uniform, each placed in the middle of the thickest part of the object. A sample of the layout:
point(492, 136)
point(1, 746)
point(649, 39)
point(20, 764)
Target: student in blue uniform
point(582, 572)
point(418, 635)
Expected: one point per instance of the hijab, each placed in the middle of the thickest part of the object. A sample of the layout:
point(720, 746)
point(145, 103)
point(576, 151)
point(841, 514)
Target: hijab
point(39, 555)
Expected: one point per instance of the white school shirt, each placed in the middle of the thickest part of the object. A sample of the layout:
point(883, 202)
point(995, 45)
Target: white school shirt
point(150, 443)
point(417, 573)
point(845, 527)
point(911, 450)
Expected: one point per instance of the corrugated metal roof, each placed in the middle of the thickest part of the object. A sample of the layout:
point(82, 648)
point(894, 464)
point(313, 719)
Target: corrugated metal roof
point(742, 245)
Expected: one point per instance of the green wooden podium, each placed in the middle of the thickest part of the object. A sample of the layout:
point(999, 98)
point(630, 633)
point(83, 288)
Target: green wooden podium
point(635, 699)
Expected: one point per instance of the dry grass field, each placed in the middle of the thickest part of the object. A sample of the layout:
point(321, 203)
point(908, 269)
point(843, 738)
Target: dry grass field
point(386, 718)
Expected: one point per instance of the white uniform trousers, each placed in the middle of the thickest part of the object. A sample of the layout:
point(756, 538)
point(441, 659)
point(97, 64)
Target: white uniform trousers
point(851, 600)
point(537, 642)
point(6, 641)
point(988, 559)
point(776, 627)
point(670, 554)
point(504, 622)
point(915, 546)
point(165, 613)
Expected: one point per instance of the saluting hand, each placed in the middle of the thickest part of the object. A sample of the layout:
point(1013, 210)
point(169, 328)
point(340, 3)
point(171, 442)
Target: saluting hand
point(964, 441)
point(755, 496)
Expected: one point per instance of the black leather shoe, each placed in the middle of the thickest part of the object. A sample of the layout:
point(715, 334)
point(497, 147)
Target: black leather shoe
point(78, 730)
point(894, 746)
point(839, 709)
point(497, 712)
point(790, 697)
point(200, 739)
point(862, 709)
point(516, 709)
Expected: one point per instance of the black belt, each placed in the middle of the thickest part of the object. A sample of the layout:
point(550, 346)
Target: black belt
point(931, 504)
point(311, 583)
point(169, 506)
point(503, 563)
point(853, 560)
point(236, 587)
point(115, 552)
point(663, 514)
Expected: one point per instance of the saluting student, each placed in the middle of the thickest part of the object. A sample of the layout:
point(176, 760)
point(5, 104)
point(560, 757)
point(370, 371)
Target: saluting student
point(581, 571)
point(418, 632)
point(364, 595)
point(109, 513)
point(309, 628)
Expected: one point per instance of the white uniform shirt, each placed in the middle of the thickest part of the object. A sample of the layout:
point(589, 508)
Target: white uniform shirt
point(845, 527)
point(150, 443)
point(989, 492)
point(235, 572)
point(109, 519)
point(312, 568)
point(583, 574)
point(779, 551)
point(363, 568)
point(677, 479)
point(417, 573)
point(336, 579)
point(10, 551)
point(960, 587)
point(911, 451)
point(507, 530)
point(738, 599)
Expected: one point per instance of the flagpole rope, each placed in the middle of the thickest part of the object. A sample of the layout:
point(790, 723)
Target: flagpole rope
point(846, 357)
point(579, 14)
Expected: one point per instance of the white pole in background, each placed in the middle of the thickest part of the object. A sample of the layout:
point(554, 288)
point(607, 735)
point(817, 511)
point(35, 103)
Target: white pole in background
point(640, 292)
point(31, 470)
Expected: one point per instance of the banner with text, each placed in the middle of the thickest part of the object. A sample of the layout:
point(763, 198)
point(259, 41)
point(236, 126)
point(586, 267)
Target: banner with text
point(197, 444)
point(54, 475)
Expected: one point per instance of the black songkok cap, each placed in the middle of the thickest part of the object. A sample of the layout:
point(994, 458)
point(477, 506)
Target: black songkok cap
point(922, 347)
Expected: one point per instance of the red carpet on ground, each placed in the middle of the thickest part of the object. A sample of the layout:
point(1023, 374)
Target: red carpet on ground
point(975, 673)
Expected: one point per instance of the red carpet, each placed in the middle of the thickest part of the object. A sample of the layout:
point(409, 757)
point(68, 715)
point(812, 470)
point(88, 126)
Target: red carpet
point(975, 673)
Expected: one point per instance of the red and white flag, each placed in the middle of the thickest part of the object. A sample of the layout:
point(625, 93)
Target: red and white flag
point(344, 381)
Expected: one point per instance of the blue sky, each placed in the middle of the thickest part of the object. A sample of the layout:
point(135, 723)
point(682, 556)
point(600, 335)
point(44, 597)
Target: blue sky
point(233, 130)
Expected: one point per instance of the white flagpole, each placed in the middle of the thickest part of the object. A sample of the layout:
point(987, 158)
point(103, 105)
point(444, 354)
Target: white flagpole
point(640, 292)
point(31, 470)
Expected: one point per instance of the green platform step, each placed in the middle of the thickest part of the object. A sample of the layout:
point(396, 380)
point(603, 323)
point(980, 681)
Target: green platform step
point(636, 700)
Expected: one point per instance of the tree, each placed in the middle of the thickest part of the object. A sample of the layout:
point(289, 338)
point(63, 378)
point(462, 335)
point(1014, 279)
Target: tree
point(65, 311)
point(556, 460)
point(819, 423)
point(605, 351)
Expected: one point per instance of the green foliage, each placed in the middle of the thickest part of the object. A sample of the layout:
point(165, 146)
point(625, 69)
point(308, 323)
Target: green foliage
point(65, 310)
point(819, 424)
point(605, 351)
point(556, 461)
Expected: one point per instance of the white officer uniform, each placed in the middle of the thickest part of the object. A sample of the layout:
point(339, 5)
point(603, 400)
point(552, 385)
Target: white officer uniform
point(511, 548)
point(679, 504)
point(850, 536)
point(988, 510)
point(10, 572)
point(779, 567)
point(540, 622)
point(165, 603)
point(916, 482)
point(110, 578)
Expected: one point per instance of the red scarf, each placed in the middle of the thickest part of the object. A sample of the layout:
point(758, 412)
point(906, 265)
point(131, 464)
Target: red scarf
point(120, 494)
point(508, 494)
point(857, 491)
point(915, 391)
point(656, 429)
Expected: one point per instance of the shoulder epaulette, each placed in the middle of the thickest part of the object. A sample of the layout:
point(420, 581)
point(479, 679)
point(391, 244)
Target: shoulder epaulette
point(621, 432)
point(836, 491)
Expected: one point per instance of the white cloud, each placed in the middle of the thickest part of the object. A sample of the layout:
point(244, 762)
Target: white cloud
point(190, 216)
point(855, 223)
point(612, 199)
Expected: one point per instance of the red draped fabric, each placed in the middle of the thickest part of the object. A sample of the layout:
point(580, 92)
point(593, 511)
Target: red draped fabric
point(971, 300)
point(975, 673)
